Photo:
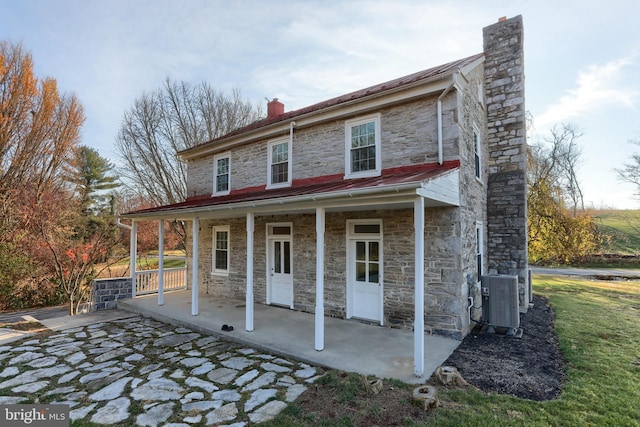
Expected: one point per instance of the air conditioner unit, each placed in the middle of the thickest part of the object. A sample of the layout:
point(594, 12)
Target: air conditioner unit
point(500, 306)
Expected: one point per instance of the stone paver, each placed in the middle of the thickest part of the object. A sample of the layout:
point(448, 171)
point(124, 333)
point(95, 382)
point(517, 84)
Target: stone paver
point(142, 372)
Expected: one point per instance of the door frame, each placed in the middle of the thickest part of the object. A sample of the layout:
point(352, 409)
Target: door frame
point(350, 260)
point(269, 238)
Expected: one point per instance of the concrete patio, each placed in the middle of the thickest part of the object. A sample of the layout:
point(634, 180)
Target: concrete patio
point(349, 345)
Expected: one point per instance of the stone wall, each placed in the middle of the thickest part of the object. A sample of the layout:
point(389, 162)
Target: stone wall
point(106, 292)
point(507, 201)
point(408, 136)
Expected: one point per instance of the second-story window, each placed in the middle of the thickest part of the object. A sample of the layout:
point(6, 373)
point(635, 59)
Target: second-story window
point(221, 174)
point(362, 147)
point(279, 172)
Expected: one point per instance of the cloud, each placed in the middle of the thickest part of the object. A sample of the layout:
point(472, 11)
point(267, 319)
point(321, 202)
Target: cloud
point(599, 87)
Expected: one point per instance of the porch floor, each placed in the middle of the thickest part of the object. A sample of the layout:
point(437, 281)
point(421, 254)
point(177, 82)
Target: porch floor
point(349, 345)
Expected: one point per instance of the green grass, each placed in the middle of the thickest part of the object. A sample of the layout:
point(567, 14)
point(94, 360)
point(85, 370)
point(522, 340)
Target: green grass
point(623, 226)
point(597, 323)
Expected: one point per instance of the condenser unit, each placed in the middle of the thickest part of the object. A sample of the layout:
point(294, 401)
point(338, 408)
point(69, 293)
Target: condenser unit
point(500, 301)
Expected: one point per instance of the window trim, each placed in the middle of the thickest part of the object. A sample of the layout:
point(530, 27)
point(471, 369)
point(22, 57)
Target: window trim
point(226, 155)
point(349, 124)
point(215, 271)
point(270, 146)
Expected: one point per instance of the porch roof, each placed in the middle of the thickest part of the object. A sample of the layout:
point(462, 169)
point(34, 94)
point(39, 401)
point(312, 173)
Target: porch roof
point(433, 181)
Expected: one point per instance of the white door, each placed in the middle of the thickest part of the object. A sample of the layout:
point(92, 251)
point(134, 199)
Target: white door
point(279, 271)
point(365, 272)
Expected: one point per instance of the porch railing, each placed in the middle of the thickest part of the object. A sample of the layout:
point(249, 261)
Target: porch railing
point(147, 280)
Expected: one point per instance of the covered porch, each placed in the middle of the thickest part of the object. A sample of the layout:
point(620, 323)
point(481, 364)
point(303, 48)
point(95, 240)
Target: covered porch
point(349, 345)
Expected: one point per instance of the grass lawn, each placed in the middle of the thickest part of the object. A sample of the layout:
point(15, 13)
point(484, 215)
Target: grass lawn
point(623, 226)
point(597, 325)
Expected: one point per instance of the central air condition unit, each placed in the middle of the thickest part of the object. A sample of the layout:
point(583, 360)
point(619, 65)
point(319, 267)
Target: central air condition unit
point(500, 301)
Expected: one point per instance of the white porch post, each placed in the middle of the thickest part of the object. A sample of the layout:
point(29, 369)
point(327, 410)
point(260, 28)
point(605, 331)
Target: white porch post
point(249, 297)
point(320, 225)
point(418, 327)
point(161, 262)
point(133, 252)
point(194, 267)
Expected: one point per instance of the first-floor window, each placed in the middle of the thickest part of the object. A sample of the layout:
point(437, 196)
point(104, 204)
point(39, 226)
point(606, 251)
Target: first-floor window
point(221, 250)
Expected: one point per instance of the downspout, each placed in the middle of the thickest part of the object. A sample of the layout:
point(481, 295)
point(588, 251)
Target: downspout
point(119, 224)
point(291, 125)
point(439, 112)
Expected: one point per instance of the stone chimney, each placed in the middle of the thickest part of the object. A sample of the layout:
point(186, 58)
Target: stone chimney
point(275, 108)
point(507, 140)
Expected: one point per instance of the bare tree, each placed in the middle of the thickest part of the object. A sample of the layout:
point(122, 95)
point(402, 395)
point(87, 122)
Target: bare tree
point(630, 172)
point(173, 118)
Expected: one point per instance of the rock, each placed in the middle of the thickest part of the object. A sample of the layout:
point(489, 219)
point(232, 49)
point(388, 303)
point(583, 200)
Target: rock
point(9, 372)
point(27, 356)
point(156, 415)
point(81, 413)
point(203, 405)
point(305, 373)
point(225, 413)
point(222, 375)
point(294, 392)
point(238, 363)
point(268, 366)
point(42, 362)
point(246, 377)
point(197, 382)
point(190, 362)
point(30, 387)
point(262, 381)
point(111, 391)
point(267, 412)
point(113, 412)
point(226, 395)
point(203, 369)
point(158, 389)
point(175, 340)
point(258, 397)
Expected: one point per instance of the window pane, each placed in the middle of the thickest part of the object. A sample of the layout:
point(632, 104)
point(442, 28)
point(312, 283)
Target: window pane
point(373, 272)
point(277, 257)
point(222, 183)
point(373, 251)
point(361, 251)
point(279, 173)
point(221, 260)
point(287, 257)
point(361, 271)
point(223, 166)
point(222, 240)
point(367, 228)
point(281, 230)
point(280, 153)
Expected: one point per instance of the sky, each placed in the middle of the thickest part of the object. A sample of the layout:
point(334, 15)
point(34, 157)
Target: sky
point(582, 59)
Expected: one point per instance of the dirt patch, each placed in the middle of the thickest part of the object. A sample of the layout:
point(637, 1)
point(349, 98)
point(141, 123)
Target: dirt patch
point(530, 367)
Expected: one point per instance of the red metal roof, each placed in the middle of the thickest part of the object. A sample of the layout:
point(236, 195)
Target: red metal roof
point(441, 70)
point(317, 185)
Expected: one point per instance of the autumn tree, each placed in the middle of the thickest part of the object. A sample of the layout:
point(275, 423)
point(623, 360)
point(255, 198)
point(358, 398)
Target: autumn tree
point(175, 117)
point(558, 233)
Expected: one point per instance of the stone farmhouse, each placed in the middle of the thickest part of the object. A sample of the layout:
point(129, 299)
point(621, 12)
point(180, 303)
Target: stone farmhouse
point(384, 205)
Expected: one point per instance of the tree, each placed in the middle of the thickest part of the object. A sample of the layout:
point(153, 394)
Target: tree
point(173, 118)
point(555, 234)
point(630, 172)
point(93, 178)
point(39, 128)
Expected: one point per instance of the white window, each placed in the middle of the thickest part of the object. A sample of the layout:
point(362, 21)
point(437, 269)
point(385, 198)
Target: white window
point(279, 164)
point(476, 152)
point(222, 174)
point(362, 147)
point(479, 249)
point(221, 250)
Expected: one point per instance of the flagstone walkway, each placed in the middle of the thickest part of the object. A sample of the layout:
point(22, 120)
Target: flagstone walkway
point(138, 371)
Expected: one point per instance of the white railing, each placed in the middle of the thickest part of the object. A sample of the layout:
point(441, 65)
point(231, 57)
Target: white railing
point(147, 280)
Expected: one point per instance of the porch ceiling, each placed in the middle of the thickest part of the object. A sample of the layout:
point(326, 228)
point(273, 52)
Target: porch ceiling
point(396, 188)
